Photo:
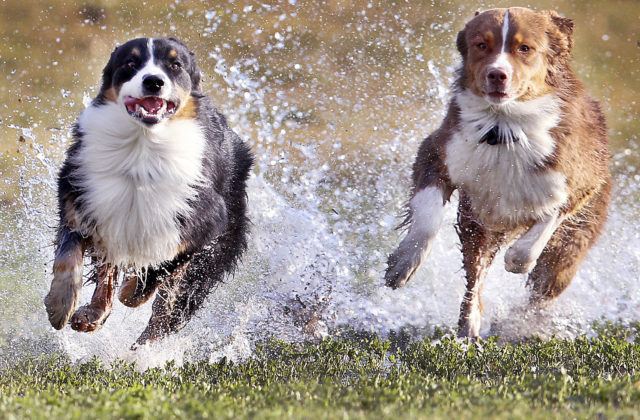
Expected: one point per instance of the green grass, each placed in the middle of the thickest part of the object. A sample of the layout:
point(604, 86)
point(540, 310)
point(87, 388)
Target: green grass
point(356, 377)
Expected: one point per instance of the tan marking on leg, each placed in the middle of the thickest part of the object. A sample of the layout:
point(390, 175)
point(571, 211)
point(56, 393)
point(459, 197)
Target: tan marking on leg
point(138, 288)
point(64, 292)
point(70, 213)
point(127, 290)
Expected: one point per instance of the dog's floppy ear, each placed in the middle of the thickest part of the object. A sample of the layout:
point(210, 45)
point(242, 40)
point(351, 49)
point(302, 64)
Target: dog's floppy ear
point(560, 35)
point(195, 74)
point(194, 71)
point(461, 42)
point(564, 24)
point(107, 72)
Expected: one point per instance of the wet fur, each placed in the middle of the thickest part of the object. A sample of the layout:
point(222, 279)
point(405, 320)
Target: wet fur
point(163, 206)
point(542, 182)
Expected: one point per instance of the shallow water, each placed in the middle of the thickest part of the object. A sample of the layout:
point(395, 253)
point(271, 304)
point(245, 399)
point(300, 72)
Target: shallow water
point(335, 133)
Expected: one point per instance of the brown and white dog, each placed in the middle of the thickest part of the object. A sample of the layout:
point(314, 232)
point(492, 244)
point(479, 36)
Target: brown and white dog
point(526, 149)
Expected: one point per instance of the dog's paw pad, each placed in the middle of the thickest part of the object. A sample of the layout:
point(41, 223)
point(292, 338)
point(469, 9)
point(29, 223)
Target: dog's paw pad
point(89, 318)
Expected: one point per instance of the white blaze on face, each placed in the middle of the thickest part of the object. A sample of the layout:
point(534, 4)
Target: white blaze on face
point(505, 31)
point(133, 87)
point(502, 61)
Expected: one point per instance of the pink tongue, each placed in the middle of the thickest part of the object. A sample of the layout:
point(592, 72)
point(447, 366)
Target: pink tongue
point(151, 104)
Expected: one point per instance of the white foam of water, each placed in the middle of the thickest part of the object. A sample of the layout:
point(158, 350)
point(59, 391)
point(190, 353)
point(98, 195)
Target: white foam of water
point(295, 263)
point(303, 277)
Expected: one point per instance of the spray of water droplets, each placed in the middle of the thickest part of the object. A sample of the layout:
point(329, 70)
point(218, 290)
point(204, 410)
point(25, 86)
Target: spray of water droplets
point(322, 226)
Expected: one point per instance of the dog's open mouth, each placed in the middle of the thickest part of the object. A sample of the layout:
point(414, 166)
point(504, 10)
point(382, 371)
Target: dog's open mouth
point(498, 95)
point(149, 109)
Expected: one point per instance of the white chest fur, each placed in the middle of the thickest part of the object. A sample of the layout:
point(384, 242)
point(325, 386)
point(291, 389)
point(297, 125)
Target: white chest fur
point(507, 183)
point(137, 182)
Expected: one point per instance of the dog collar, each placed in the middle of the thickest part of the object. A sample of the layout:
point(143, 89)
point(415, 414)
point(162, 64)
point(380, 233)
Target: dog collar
point(493, 137)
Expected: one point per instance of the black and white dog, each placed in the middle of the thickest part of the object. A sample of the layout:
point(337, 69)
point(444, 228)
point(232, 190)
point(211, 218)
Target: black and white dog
point(152, 190)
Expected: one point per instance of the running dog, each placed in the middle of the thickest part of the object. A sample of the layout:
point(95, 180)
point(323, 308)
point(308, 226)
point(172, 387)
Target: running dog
point(527, 150)
point(152, 191)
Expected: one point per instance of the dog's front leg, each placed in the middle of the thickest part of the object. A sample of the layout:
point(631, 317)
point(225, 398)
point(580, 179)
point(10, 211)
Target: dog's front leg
point(63, 295)
point(91, 317)
point(479, 247)
point(521, 257)
point(426, 214)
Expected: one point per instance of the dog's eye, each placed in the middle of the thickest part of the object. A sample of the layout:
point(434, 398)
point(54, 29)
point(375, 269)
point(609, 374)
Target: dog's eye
point(175, 66)
point(482, 46)
point(130, 64)
point(524, 48)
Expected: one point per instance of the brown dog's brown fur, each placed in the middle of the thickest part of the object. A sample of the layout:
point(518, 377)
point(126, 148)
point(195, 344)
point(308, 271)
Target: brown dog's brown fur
point(534, 61)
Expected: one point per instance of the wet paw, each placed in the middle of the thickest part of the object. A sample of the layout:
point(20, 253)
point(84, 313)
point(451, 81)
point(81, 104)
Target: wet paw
point(400, 268)
point(469, 331)
point(518, 260)
point(89, 318)
point(133, 292)
point(63, 296)
point(59, 309)
point(470, 327)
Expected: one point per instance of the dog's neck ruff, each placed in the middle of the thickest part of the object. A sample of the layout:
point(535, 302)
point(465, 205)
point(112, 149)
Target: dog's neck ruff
point(513, 125)
point(136, 183)
point(498, 155)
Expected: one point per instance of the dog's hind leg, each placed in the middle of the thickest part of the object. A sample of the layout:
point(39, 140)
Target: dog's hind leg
point(90, 317)
point(566, 249)
point(479, 247)
point(181, 294)
point(138, 287)
point(63, 295)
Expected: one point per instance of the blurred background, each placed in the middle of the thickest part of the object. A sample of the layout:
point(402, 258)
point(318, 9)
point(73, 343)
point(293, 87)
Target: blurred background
point(334, 97)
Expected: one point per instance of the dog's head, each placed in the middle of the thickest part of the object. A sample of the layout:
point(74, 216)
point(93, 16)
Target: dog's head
point(514, 54)
point(151, 79)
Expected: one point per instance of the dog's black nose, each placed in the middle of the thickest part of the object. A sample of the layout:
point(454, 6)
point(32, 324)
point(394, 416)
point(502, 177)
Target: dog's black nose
point(152, 83)
point(497, 75)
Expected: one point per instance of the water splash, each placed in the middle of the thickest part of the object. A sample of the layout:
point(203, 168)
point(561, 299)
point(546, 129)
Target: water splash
point(323, 211)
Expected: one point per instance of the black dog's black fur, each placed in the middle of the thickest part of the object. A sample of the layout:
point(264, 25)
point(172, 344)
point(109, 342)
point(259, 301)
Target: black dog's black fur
point(214, 234)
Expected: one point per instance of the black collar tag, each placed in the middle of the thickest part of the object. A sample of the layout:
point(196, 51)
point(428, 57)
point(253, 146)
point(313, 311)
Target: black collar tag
point(493, 137)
